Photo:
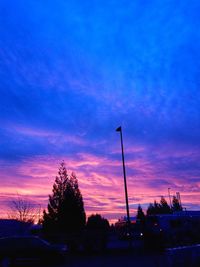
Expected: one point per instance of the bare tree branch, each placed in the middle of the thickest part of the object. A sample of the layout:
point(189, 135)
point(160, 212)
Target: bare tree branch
point(24, 211)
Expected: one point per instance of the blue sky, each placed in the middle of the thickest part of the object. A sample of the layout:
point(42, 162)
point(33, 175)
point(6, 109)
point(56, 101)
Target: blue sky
point(73, 71)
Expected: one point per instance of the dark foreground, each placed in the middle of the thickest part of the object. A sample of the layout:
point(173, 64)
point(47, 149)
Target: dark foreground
point(123, 258)
point(116, 259)
point(109, 259)
point(180, 257)
point(118, 254)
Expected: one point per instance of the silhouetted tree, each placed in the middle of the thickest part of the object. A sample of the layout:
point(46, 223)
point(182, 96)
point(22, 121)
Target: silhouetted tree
point(97, 222)
point(176, 206)
point(159, 208)
point(23, 210)
point(153, 209)
point(164, 207)
point(97, 229)
point(65, 211)
point(140, 214)
point(156, 207)
point(150, 209)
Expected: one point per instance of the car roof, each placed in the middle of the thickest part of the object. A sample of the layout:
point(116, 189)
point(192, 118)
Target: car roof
point(20, 237)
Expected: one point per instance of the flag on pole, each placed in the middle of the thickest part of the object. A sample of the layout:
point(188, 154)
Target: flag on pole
point(119, 129)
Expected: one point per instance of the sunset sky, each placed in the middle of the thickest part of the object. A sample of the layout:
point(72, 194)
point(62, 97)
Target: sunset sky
point(72, 71)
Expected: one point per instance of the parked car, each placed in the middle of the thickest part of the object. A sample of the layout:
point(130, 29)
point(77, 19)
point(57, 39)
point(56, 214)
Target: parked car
point(36, 251)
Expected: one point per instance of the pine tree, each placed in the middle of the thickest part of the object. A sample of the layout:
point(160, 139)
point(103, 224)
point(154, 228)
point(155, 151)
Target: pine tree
point(156, 208)
point(176, 206)
point(65, 210)
point(164, 207)
point(140, 214)
point(150, 210)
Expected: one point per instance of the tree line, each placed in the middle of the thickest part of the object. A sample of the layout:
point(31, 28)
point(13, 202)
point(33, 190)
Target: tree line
point(161, 207)
point(65, 214)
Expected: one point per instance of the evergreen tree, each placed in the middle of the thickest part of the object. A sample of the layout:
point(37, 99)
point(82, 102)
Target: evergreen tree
point(140, 214)
point(156, 208)
point(164, 207)
point(65, 211)
point(153, 209)
point(150, 209)
point(176, 206)
point(159, 208)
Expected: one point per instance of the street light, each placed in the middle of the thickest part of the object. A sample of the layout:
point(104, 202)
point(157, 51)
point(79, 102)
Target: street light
point(169, 197)
point(119, 129)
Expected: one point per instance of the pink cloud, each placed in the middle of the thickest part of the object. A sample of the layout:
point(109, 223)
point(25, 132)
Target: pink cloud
point(101, 180)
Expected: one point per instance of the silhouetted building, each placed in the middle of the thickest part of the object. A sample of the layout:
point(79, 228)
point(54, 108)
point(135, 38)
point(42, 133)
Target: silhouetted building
point(178, 228)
